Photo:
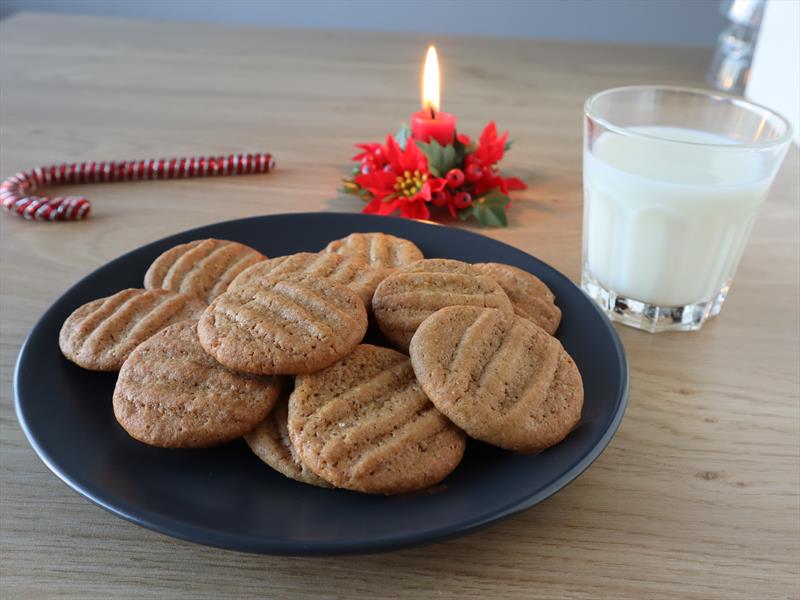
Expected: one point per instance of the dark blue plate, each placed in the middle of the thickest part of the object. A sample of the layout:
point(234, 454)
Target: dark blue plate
point(225, 496)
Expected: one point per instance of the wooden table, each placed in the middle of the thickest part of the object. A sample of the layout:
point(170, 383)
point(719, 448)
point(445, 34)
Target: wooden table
point(697, 495)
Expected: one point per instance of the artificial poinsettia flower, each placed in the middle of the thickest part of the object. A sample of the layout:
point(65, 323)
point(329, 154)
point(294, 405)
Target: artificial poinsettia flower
point(367, 149)
point(405, 183)
point(411, 204)
point(371, 158)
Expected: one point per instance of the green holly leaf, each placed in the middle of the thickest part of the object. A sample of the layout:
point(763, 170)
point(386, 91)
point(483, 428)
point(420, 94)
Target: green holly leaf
point(402, 136)
point(489, 211)
point(440, 158)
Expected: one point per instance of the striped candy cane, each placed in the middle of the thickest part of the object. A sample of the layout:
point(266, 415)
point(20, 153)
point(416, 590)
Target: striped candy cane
point(17, 193)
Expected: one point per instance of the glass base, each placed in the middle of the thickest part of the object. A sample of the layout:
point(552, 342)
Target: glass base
point(651, 317)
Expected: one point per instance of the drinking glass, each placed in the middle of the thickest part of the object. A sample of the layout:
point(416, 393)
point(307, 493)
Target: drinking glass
point(673, 178)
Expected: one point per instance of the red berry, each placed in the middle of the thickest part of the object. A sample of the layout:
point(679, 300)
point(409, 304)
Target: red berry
point(462, 200)
point(455, 178)
point(440, 198)
point(474, 173)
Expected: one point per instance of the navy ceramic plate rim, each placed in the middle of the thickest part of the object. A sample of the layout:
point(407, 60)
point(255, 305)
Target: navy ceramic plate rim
point(277, 545)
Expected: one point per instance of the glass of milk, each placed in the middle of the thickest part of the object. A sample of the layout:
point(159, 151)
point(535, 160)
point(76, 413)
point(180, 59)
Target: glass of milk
point(673, 179)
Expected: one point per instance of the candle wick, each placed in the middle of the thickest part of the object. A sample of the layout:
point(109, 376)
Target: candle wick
point(433, 113)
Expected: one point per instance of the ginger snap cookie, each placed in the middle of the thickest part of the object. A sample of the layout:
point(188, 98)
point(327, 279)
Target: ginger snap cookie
point(365, 424)
point(201, 267)
point(380, 250)
point(529, 296)
point(171, 394)
point(283, 324)
point(270, 442)
point(498, 376)
point(102, 333)
point(349, 271)
point(411, 294)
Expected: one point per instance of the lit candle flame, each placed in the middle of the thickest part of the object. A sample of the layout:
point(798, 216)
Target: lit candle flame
point(430, 82)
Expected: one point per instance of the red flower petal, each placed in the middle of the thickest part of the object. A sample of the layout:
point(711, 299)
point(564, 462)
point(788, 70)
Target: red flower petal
point(512, 183)
point(436, 184)
point(377, 183)
point(411, 159)
point(491, 148)
point(489, 134)
point(488, 182)
point(380, 207)
point(415, 210)
point(368, 150)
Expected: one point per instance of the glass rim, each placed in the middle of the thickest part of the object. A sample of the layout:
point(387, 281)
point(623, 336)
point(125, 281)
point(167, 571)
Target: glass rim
point(739, 101)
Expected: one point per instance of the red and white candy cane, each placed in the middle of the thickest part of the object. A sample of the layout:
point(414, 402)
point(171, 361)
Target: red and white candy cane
point(17, 192)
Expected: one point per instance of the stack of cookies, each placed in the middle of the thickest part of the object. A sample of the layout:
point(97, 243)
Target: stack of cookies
point(223, 343)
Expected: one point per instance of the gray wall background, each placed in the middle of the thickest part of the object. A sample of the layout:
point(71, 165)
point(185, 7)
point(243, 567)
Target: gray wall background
point(669, 22)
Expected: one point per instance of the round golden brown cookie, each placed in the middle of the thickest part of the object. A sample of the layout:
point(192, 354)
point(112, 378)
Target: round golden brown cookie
point(531, 298)
point(499, 377)
point(409, 295)
point(171, 394)
point(201, 267)
point(102, 333)
point(283, 325)
point(365, 424)
point(350, 271)
point(380, 250)
point(270, 442)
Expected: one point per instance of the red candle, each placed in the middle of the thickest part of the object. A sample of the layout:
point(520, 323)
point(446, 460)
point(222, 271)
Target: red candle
point(429, 122)
point(437, 125)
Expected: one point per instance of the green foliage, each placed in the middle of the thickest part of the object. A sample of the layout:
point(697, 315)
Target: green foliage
point(489, 211)
point(440, 158)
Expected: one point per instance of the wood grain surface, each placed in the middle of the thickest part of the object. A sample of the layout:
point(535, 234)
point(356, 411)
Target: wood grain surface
point(697, 495)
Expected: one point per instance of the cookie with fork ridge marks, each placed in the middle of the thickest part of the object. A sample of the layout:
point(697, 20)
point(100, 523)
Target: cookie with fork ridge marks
point(380, 250)
point(498, 376)
point(171, 394)
point(102, 333)
point(202, 267)
point(270, 442)
point(411, 294)
point(531, 298)
point(365, 424)
point(350, 271)
point(283, 325)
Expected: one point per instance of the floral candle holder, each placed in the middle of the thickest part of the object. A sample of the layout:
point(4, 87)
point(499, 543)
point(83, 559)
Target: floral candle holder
point(418, 179)
point(431, 166)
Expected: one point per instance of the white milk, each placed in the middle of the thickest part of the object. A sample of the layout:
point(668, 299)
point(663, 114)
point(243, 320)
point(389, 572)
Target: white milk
point(667, 223)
